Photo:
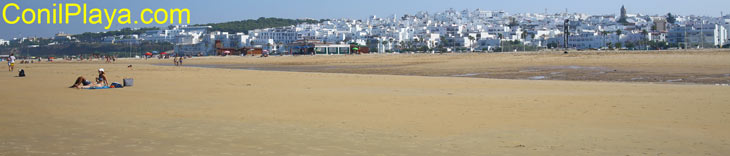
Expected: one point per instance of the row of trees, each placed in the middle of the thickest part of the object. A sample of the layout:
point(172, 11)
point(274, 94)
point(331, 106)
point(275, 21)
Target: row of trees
point(651, 45)
point(89, 42)
point(96, 37)
point(76, 48)
point(640, 45)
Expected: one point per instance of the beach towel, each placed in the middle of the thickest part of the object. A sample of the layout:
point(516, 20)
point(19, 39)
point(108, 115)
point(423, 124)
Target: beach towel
point(116, 85)
point(105, 87)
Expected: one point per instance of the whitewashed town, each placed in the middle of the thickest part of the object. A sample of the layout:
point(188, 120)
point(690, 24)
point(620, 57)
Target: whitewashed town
point(451, 31)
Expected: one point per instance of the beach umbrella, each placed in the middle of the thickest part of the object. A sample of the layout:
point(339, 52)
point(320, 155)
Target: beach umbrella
point(148, 53)
point(164, 53)
point(226, 52)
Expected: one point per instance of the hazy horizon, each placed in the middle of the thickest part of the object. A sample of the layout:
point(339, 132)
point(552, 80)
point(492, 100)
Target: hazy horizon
point(229, 10)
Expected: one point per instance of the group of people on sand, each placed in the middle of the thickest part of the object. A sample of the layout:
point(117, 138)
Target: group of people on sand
point(110, 59)
point(83, 83)
point(179, 60)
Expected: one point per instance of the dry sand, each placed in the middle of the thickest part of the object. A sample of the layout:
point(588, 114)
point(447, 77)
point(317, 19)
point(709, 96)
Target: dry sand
point(207, 111)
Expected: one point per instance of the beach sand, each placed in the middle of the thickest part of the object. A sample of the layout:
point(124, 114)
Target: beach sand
point(210, 111)
point(703, 67)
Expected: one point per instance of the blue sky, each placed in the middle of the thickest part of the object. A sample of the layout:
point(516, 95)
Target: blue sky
point(206, 11)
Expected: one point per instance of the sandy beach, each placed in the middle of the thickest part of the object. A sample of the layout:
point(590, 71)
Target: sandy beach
point(694, 67)
point(427, 104)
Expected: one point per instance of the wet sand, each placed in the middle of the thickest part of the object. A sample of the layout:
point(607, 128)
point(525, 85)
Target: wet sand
point(679, 67)
point(209, 111)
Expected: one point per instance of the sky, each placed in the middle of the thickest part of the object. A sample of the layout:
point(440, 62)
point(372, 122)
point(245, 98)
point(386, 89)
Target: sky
point(209, 11)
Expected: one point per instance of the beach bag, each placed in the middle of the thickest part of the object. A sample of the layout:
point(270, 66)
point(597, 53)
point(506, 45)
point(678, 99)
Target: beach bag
point(21, 73)
point(128, 82)
point(116, 85)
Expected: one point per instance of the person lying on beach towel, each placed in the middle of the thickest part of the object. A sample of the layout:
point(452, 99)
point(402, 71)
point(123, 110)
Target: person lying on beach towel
point(81, 82)
point(98, 86)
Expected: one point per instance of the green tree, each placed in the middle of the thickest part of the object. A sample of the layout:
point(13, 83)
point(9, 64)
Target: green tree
point(97, 37)
point(86, 48)
point(524, 34)
point(444, 42)
point(630, 45)
point(609, 45)
point(513, 22)
point(671, 19)
point(552, 45)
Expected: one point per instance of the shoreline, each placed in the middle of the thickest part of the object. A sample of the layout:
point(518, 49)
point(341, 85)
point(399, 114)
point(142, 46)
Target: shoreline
point(466, 75)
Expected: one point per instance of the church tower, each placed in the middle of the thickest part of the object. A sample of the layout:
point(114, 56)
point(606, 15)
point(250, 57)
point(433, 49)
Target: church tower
point(622, 18)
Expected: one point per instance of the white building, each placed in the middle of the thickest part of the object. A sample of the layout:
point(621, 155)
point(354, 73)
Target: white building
point(4, 42)
point(698, 36)
point(63, 37)
point(488, 44)
point(726, 24)
point(122, 39)
point(587, 40)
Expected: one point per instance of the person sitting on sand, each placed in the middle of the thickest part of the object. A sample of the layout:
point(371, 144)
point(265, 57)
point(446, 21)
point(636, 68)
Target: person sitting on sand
point(102, 77)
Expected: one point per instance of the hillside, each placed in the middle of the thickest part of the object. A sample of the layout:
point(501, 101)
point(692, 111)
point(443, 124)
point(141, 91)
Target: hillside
point(233, 26)
point(90, 41)
point(93, 37)
point(261, 23)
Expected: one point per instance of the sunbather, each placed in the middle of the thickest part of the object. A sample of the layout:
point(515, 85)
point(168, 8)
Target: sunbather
point(80, 81)
point(102, 77)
